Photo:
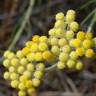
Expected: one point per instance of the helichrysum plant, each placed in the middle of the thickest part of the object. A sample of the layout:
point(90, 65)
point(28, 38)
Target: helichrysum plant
point(64, 48)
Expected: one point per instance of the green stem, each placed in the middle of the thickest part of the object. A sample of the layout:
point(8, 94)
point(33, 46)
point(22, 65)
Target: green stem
point(82, 23)
point(92, 23)
point(23, 24)
point(50, 68)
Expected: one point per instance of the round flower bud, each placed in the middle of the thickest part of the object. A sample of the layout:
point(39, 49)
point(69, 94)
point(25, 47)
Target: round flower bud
point(27, 74)
point(21, 86)
point(60, 65)
point(80, 51)
point(40, 66)
point(7, 75)
point(6, 53)
point(6, 63)
point(25, 51)
point(54, 41)
point(47, 55)
point(31, 90)
point(19, 54)
point(75, 42)
point(71, 12)
point(11, 55)
point(80, 35)
point(59, 16)
point(62, 42)
point(14, 76)
point(88, 35)
point(28, 84)
point(35, 38)
point(23, 61)
point(79, 65)
point(59, 24)
point(30, 57)
point(12, 69)
point(69, 35)
point(34, 47)
point(87, 43)
point(29, 44)
point(14, 83)
point(73, 55)
point(36, 82)
point(43, 39)
point(43, 46)
point(38, 56)
point(38, 74)
point(66, 49)
point(15, 62)
point(30, 67)
point(89, 53)
point(55, 50)
point(22, 93)
point(63, 57)
point(60, 32)
point(74, 26)
point(52, 32)
point(23, 78)
point(71, 63)
point(20, 69)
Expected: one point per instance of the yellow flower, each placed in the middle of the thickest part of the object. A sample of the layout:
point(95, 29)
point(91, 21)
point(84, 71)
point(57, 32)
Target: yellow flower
point(38, 74)
point(80, 35)
point(66, 48)
point(52, 32)
point(30, 56)
point(70, 63)
point(27, 74)
point(54, 41)
point(70, 16)
point(25, 51)
point(87, 43)
point(60, 32)
point(14, 83)
point(6, 53)
point(47, 55)
point(34, 47)
point(89, 53)
point(14, 76)
point(60, 65)
point(59, 24)
point(22, 93)
point(43, 39)
point(20, 69)
point(73, 55)
point(6, 75)
point(15, 62)
point(19, 54)
point(75, 42)
point(24, 61)
point(88, 35)
point(11, 55)
point(23, 78)
point(80, 51)
point(21, 86)
point(35, 38)
point(55, 50)
point(40, 66)
point(69, 35)
point(62, 42)
point(38, 56)
point(12, 69)
point(29, 84)
point(31, 90)
point(6, 63)
point(29, 44)
point(74, 26)
point(79, 65)
point(59, 16)
point(30, 67)
point(43, 46)
point(36, 82)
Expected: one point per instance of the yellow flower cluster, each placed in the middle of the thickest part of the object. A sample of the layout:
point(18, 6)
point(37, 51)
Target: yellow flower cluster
point(24, 74)
point(25, 68)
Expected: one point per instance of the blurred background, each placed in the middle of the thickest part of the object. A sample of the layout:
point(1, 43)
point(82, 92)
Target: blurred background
point(39, 19)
